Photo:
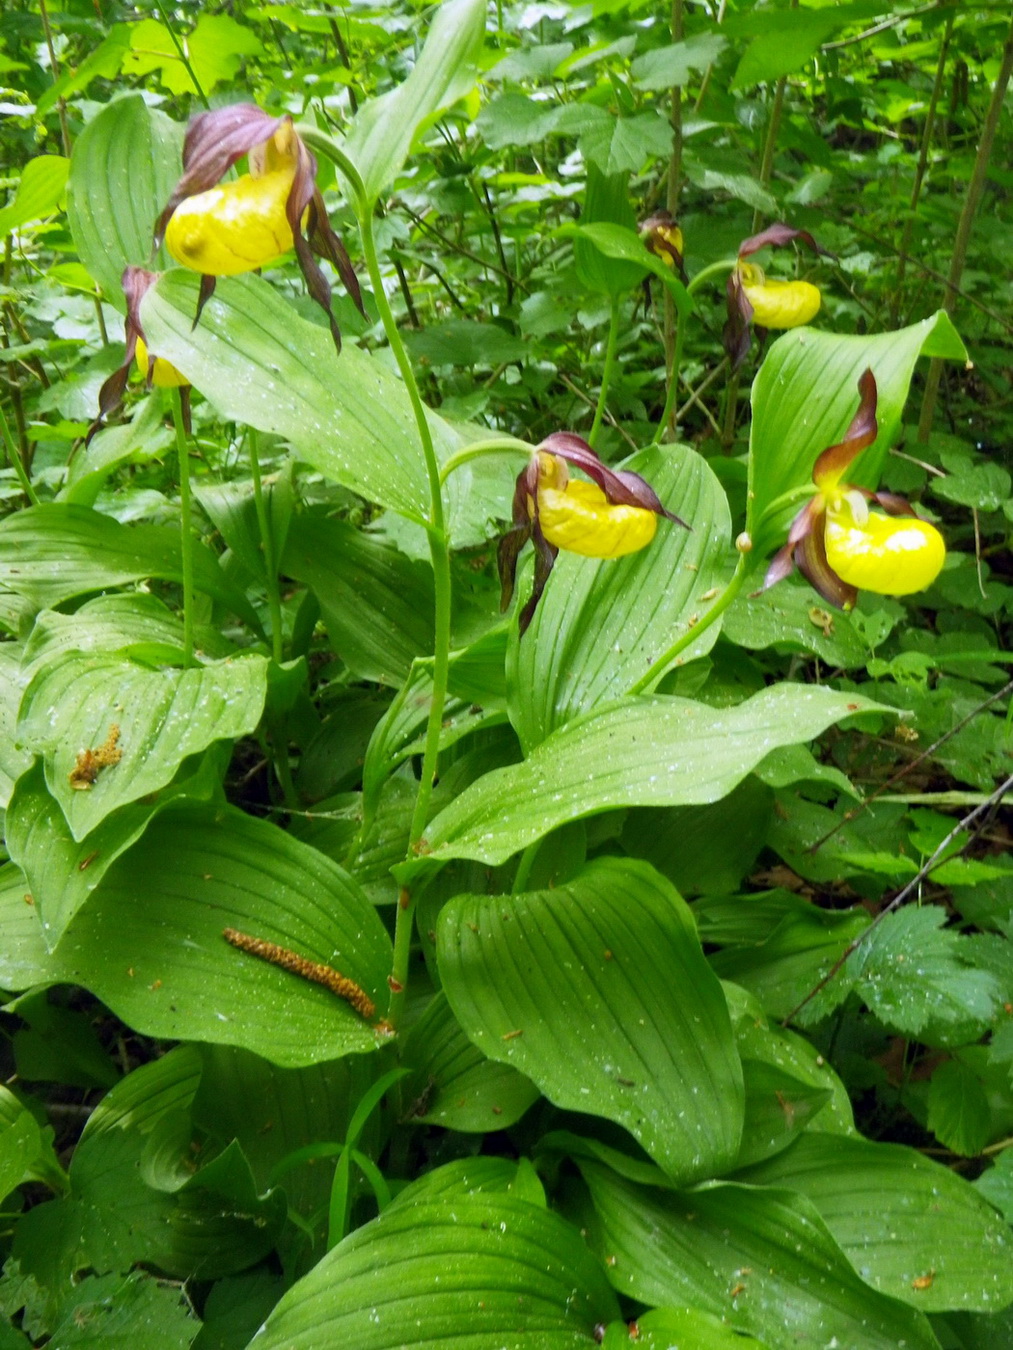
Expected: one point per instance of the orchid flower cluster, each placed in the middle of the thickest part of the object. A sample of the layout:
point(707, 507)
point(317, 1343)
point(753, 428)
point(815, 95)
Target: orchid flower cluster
point(838, 541)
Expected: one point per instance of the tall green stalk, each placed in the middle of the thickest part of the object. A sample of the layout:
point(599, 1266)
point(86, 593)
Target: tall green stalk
point(16, 462)
point(606, 378)
point(439, 552)
point(267, 544)
point(185, 524)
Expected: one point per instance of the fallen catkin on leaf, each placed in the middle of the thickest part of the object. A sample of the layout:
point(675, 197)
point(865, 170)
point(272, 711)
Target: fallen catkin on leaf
point(309, 970)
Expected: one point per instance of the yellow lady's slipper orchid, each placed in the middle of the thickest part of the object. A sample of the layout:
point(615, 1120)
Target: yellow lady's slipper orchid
point(884, 554)
point(761, 302)
point(776, 303)
point(840, 545)
point(662, 236)
point(164, 375)
point(579, 518)
point(613, 515)
point(224, 229)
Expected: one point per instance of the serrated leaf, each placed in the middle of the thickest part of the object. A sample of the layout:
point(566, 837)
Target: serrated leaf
point(760, 1259)
point(621, 145)
point(600, 625)
point(214, 48)
point(165, 968)
point(641, 752)
point(959, 1114)
point(43, 180)
point(122, 1312)
point(162, 717)
point(668, 67)
point(477, 1271)
point(792, 617)
point(260, 363)
point(380, 138)
point(598, 990)
point(805, 396)
point(909, 971)
point(899, 1216)
point(125, 165)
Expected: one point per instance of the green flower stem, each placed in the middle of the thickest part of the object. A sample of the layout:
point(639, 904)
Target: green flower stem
point(664, 661)
point(673, 382)
point(267, 544)
point(327, 145)
point(714, 270)
point(186, 526)
point(606, 376)
point(16, 462)
point(496, 445)
point(439, 551)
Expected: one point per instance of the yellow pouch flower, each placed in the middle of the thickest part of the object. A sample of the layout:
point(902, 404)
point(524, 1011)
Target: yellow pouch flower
point(233, 228)
point(776, 303)
point(581, 519)
point(165, 375)
point(890, 555)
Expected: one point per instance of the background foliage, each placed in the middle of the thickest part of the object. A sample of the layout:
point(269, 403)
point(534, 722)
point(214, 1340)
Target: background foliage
point(596, 1100)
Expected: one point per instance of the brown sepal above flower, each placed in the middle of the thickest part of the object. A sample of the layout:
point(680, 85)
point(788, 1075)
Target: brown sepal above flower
point(214, 142)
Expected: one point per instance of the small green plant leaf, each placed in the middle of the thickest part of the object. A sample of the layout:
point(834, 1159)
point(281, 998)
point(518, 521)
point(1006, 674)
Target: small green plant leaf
point(39, 193)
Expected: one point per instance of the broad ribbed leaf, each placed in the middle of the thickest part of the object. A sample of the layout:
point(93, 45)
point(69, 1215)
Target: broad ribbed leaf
point(685, 1328)
point(13, 762)
point(54, 552)
point(599, 991)
point(453, 1084)
point(762, 1260)
point(149, 942)
point(260, 363)
point(24, 960)
point(806, 394)
point(464, 1272)
point(382, 133)
point(641, 752)
point(911, 1228)
point(60, 871)
point(600, 625)
point(377, 603)
point(124, 166)
point(161, 717)
point(40, 190)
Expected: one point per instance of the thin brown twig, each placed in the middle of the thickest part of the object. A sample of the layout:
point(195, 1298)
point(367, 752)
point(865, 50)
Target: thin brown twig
point(986, 806)
point(920, 758)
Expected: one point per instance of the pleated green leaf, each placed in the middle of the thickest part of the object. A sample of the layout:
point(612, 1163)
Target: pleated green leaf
point(599, 991)
point(641, 752)
point(910, 1227)
point(382, 133)
point(160, 716)
point(260, 363)
point(125, 164)
point(685, 1328)
point(601, 624)
point(60, 871)
point(377, 603)
point(74, 550)
point(806, 394)
point(452, 1082)
point(761, 1260)
point(149, 942)
point(455, 1272)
